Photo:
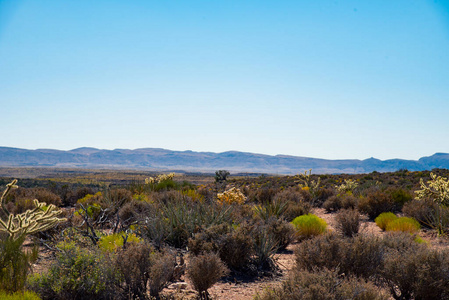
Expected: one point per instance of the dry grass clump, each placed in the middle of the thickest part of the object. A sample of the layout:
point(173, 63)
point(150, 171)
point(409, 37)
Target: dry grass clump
point(324, 284)
point(203, 271)
point(348, 222)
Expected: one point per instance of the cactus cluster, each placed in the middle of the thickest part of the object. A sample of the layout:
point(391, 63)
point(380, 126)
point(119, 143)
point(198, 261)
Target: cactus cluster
point(40, 218)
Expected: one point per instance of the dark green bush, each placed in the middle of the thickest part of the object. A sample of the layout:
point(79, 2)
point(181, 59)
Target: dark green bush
point(15, 264)
point(375, 203)
point(77, 273)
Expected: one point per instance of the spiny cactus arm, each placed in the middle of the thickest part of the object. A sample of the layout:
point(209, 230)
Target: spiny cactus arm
point(9, 186)
point(437, 189)
point(31, 221)
point(5, 226)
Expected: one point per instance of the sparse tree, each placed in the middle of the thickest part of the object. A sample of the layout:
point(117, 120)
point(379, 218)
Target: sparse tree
point(221, 175)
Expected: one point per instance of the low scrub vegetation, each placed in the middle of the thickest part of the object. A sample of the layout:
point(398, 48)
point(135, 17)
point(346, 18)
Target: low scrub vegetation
point(128, 239)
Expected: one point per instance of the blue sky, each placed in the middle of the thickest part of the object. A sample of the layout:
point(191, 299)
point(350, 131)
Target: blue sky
point(325, 79)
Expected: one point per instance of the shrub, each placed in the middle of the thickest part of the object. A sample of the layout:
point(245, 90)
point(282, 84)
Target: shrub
point(134, 212)
point(282, 231)
point(348, 222)
point(337, 202)
point(404, 224)
point(375, 203)
point(400, 196)
point(309, 225)
point(234, 246)
point(437, 189)
point(417, 272)
point(426, 213)
point(265, 246)
point(320, 196)
point(27, 295)
point(77, 273)
point(319, 252)
point(112, 242)
point(15, 264)
point(360, 256)
point(204, 271)
point(139, 266)
point(323, 284)
point(295, 209)
point(274, 208)
point(384, 219)
point(161, 272)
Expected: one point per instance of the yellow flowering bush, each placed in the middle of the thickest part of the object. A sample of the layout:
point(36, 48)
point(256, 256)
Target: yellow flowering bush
point(233, 195)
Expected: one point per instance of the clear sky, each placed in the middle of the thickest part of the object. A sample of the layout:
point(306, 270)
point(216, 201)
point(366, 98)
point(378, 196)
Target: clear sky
point(324, 79)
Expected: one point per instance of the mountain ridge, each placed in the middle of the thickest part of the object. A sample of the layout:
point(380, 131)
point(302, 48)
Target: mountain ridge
point(159, 159)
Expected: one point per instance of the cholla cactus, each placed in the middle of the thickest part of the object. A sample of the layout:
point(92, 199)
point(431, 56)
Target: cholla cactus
point(438, 191)
point(231, 196)
point(162, 177)
point(348, 186)
point(306, 181)
point(31, 221)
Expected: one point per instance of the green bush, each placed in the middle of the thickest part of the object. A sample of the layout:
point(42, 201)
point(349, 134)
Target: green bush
point(404, 224)
point(309, 225)
point(77, 273)
point(375, 203)
point(27, 295)
point(14, 264)
point(113, 242)
point(384, 219)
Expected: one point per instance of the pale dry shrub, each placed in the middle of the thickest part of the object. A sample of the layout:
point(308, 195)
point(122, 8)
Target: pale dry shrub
point(348, 222)
point(323, 284)
point(204, 270)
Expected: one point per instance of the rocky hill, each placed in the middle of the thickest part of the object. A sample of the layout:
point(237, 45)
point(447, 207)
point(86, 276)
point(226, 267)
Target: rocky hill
point(234, 161)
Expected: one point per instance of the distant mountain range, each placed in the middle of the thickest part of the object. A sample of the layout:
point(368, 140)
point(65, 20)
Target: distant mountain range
point(189, 161)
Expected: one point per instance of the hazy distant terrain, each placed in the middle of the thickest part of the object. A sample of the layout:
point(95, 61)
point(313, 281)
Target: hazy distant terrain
point(162, 159)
